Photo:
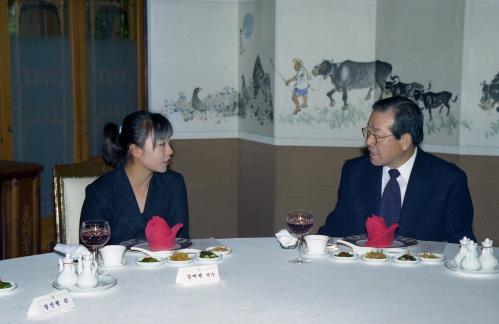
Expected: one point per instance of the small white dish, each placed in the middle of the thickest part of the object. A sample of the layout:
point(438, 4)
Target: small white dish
point(220, 249)
point(374, 261)
point(173, 262)
point(344, 258)
point(396, 260)
point(159, 263)
point(112, 267)
point(13, 286)
point(209, 260)
point(437, 259)
point(105, 282)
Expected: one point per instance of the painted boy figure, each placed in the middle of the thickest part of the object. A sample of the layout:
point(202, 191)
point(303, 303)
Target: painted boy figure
point(301, 84)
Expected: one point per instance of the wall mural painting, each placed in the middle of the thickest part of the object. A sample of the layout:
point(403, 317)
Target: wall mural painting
point(377, 78)
point(255, 99)
point(490, 100)
point(218, 105)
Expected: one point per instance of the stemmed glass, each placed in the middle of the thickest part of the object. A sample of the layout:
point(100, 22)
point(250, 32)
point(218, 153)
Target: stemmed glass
point(300, 222)
point(95, 234)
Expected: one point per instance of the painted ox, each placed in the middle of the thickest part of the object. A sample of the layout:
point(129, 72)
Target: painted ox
point(397, 88)
point(349, 75)
point(432, 100)
point(490, 94)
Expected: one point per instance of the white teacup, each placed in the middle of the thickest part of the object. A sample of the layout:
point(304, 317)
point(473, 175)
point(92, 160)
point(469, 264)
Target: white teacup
point(316, 244)
point(112, 255)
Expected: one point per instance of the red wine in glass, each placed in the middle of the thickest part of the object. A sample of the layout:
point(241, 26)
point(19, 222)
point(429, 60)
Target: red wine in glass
point(95, 234)
point(300, 222)
point(300, 228)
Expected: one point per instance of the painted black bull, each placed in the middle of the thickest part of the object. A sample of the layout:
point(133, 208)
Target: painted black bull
point(397, 88)
point(349, 75)
point(432, 100)
point(490, 94)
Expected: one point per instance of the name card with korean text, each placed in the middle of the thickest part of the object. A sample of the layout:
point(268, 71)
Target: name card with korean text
point(50, 305)
point(198, 274)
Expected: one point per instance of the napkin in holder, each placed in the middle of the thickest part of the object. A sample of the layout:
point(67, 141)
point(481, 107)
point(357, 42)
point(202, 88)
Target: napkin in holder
point(159, 235)
point(74, 250)
point(286, 240)
point(378, 235)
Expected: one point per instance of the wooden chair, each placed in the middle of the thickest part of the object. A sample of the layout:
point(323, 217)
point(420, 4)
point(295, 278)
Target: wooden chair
point(70, 181)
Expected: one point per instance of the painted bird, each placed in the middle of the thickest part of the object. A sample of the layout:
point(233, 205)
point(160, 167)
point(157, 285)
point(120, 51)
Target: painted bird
point(198, 105)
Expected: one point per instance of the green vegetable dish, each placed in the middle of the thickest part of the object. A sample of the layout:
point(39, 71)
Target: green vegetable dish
point(407, 257)
point(4, 285)
point(149, 260)
point(207, 255)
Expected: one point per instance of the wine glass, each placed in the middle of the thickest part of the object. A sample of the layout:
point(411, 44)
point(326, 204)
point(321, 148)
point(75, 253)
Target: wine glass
point(300, 222)
point(95, 234)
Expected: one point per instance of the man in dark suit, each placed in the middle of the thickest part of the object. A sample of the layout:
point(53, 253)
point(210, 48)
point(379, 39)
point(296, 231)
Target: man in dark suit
point(434, 196)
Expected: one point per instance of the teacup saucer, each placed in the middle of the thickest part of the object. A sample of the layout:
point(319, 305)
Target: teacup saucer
point(112, 267)
point(314, 255)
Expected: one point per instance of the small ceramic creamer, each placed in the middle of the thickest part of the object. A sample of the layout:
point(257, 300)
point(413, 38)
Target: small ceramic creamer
point(87, 272)
point(487, 260)
point(67, 272)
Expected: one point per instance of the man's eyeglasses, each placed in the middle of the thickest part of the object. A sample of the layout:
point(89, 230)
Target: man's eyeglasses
point(366, 133)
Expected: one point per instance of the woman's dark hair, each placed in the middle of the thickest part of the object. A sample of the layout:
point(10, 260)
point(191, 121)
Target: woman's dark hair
point(135, 129)
point(408, 117)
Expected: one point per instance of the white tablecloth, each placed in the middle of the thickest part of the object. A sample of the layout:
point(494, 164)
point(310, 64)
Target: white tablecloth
point(259, 285)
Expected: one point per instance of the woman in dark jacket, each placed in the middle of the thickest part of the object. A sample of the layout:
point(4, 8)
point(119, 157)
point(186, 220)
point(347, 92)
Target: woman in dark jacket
point(141, 186)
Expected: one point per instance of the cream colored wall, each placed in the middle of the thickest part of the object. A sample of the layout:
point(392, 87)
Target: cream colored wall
point(240, 188)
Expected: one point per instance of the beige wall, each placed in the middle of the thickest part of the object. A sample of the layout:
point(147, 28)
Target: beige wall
point(239, 188)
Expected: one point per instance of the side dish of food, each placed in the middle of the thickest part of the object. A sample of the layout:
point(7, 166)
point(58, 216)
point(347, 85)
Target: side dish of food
point(208, 257)
point(344, 256)
point(375, 257)
point(179, 258)
point(149, 262)
point(5, 284)
point(220, 249)
point(149, 259)
point(406, 259)
point(428, 257)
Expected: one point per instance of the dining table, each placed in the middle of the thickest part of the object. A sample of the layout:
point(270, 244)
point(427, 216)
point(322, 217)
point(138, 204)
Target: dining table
point(258, 284)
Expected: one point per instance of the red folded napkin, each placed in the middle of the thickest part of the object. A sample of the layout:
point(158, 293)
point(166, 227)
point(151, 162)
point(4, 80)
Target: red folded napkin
point(159, 235)
point(378, 235)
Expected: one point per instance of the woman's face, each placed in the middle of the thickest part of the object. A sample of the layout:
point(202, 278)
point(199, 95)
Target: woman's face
point(156, 159)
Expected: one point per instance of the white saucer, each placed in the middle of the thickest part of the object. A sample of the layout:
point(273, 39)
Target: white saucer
point(451, 265)
point(313, 255)
point(112, 267)
point(10, 289)
point(105, 282)
point(149, 264)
